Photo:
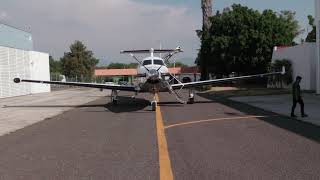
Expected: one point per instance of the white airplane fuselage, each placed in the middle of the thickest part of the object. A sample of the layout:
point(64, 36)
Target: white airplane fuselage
point(153, 73)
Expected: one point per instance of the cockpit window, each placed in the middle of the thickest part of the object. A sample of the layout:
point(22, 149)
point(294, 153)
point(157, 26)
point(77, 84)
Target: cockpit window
point(147, 62)
point(158, 62)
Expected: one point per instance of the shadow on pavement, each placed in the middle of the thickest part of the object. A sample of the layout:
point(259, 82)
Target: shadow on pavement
point(127, 104)
point(55, 106)
point(177, 104)
point(301, 128)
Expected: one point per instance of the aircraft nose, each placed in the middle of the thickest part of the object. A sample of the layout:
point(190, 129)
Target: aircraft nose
point(154, 73)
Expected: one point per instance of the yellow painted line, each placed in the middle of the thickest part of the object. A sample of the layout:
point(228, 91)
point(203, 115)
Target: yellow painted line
point(210, 120)
point(164, 159)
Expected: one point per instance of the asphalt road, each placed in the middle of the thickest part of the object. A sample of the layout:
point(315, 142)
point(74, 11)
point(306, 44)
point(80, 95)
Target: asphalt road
point(212, 139)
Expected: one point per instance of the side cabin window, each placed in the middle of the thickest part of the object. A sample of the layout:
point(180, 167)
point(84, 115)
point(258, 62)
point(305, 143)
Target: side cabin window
point(147, 62)
point(158, 62)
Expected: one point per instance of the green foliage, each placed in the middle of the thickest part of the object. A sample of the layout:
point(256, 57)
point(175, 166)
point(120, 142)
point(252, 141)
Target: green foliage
point(177, 64)
point(312, 34)
point(277, 66)
point(55, 66)
point(241, 40)
point(79, 62)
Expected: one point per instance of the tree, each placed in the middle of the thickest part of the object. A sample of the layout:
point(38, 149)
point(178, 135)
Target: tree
point(277, 66)
point(79, 62)
point(55, 66)
point(206, 6)
point(241, 39)
point(203, 59)
point(312, 36)
point(177, 64)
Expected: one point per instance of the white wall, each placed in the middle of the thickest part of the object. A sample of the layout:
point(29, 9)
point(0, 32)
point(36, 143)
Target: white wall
point(13, 63)
point(25, 65)
point(303, 62)
point(40, 70)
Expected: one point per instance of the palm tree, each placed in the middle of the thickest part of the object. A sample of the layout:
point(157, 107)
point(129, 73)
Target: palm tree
point(206, 6)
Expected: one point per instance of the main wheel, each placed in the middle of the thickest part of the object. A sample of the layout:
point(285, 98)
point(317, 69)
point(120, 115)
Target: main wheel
point(191, 101)
point(114, 101)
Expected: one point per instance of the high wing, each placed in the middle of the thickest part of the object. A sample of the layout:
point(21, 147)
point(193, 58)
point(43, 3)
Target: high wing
point(90, 85)
point(215, 81)
point(145, 51)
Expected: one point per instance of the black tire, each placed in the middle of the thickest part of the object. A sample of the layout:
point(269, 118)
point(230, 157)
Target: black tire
point(191, 101)
point(114, 102)
point(186, 80)
point(153, 106)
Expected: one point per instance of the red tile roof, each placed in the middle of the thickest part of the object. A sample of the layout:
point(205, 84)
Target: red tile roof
point(115, 72)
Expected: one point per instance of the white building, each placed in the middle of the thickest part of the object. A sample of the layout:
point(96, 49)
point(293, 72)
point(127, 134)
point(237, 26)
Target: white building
point(303, 59)
point(18, 60)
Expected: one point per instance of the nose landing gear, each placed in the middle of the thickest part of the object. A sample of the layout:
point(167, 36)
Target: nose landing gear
point(154, 105)
point(154, 102)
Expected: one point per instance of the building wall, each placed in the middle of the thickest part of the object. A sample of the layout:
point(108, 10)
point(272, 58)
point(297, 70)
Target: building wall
point(15, 38)
point(40, 70)
point(25, 65)
point(13, 63)
point(303, 59)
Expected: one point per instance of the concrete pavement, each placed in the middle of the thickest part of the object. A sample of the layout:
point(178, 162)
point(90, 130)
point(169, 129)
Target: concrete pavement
point(281, 104)
point(211, 139)
point(19, 112)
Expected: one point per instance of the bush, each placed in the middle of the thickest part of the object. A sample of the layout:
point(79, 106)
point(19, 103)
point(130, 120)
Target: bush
point(277, 66)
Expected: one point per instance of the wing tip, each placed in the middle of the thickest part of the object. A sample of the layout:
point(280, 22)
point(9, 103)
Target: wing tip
point(17, 80)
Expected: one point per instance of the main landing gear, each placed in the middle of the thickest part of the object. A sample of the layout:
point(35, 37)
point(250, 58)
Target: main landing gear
point(191, 97)
point(114, 97)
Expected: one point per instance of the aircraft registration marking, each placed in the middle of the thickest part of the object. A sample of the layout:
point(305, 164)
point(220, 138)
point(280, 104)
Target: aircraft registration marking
point(164, 159)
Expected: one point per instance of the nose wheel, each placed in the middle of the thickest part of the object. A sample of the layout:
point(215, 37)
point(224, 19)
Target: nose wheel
point(154, 105)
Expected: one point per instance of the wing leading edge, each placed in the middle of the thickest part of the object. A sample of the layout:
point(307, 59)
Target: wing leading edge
point(90, 85)
point(210, 82)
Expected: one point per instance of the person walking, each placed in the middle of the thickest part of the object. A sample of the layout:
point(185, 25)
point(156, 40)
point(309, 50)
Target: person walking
point(296, 97)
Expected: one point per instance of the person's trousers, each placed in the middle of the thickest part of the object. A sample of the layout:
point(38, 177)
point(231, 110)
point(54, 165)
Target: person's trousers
point(295, 101)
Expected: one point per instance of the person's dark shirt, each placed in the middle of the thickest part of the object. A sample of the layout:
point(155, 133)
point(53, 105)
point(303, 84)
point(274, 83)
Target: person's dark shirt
point(296, 93)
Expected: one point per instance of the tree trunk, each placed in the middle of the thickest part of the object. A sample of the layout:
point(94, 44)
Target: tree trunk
point(206, 6)
point(207, 13)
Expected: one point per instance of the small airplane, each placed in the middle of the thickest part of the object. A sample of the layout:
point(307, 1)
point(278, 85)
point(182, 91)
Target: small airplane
point(154, 77)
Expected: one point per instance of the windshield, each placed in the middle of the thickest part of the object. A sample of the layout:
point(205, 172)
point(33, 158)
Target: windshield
point(158, 61)
point(147, 62)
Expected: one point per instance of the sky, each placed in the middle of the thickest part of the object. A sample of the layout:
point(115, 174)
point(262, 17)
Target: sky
point(109, 26)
